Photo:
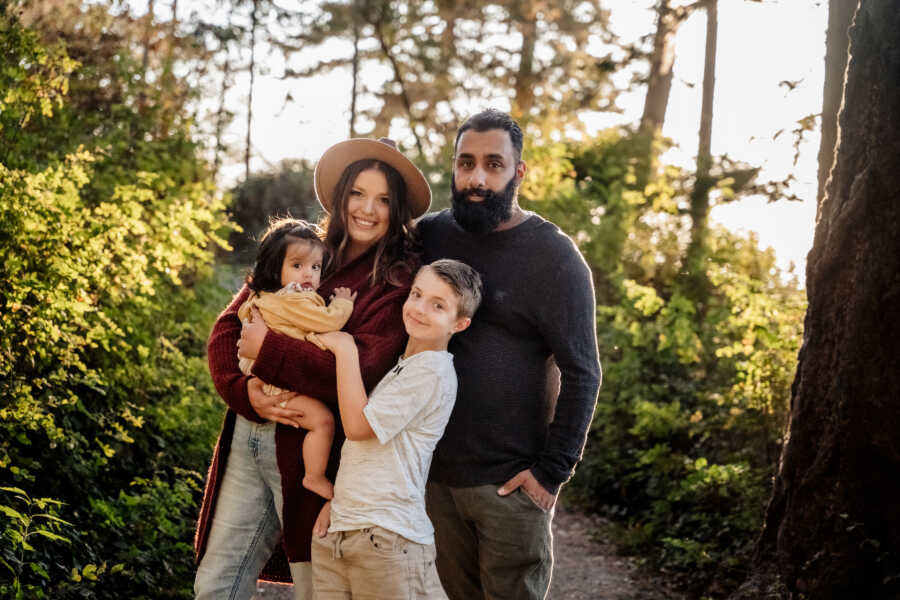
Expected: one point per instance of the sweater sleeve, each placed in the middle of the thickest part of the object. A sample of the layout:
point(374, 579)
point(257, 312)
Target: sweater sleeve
point(569, 328)
point(298, 365)
point(221, 351)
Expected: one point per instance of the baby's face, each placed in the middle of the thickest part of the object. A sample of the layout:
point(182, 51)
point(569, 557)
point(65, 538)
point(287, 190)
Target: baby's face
point(302, 265)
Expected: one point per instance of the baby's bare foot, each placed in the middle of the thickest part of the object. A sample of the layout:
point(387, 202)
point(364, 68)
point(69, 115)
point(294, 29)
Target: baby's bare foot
point(320, 485)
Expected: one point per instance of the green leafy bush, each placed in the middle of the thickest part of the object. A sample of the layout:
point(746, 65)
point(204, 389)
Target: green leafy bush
point(694, 398)
point(107, 225)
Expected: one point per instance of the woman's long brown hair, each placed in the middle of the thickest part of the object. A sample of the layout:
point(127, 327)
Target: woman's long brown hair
point(398, 249)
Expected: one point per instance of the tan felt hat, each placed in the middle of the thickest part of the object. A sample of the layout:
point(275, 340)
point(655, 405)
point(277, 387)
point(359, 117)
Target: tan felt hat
point(343, 154)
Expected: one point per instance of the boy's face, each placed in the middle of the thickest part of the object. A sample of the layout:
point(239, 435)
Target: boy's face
point(302, 265)
point(431, 312)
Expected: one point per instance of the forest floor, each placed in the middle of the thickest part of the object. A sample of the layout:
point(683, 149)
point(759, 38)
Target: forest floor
point(586, 566)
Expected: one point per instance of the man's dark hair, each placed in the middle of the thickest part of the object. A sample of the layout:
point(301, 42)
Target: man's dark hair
point(493, 119)
point(266, 273)
point(463, 280)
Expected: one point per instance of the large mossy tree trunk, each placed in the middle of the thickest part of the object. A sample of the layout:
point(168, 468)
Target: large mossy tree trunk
point(832, 529)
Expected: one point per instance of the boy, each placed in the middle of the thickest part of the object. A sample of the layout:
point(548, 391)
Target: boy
point(380, 542)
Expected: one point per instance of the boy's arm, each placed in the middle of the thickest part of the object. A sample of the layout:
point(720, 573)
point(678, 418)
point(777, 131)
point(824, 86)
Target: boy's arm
point(351, 391)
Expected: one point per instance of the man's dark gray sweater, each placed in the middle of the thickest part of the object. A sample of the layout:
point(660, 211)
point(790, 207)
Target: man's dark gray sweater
point(538, 302)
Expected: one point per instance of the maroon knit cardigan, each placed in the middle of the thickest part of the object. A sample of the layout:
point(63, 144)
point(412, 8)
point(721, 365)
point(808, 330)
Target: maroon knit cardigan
point(377, 326)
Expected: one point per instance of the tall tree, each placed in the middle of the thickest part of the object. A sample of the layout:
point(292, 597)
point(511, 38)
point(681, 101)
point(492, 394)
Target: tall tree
point(254, 17)
point(832, 524)
point(145, 53)
point(659, 81)
point(840, 14)
point(662, 59)
point(695, 257)
point(354, 88)
point(224, 37)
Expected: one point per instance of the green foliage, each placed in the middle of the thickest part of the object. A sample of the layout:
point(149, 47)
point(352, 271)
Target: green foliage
point(287, 191)
point(694, 398)
point(37, 89)
point(107, 224)
point(23, 529)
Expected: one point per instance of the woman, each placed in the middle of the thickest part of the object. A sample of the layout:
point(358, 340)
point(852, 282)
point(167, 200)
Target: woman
point(253, 496)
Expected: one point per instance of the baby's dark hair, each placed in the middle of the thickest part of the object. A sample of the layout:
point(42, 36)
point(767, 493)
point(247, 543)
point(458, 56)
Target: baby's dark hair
point(463, 280)
point(282, 231)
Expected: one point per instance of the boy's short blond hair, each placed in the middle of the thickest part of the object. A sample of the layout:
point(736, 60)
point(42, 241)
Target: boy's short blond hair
point(463, 280)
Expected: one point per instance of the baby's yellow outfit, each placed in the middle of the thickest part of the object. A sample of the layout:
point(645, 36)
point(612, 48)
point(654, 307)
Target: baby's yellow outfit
point(298, 313)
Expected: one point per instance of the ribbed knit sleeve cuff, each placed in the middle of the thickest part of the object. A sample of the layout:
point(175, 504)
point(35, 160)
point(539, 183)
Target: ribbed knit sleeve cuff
point(550, 481)
point(240, 402)
point(270, 361)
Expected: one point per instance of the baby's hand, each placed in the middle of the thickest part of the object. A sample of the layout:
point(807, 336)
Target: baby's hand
point(335, 340)
point(345, 293)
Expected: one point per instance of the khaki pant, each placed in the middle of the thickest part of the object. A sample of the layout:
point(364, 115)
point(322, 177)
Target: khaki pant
point(373, 564)
point(490, 547)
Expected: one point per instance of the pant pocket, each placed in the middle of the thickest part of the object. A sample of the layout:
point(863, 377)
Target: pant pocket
point(386, 542)
point(526, 500)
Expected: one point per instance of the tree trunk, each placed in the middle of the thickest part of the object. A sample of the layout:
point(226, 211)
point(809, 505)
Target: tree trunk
point(221, 113)
point(145, 55)
point(167, 79)
point(355, 84)
point(659, 83)
point(659, 86)
point(833, 528)
point(148, 32)
point(526, 23)
point(840, 14)
point(247, 147)
point(697, 287)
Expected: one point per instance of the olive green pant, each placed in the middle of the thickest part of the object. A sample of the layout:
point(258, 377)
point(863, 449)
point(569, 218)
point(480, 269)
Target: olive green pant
point(490, 546)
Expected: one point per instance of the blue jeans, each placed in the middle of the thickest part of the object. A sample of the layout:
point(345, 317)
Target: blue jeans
point(247, 520)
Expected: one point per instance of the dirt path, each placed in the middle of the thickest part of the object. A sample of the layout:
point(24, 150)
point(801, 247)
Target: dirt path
point(584, 569)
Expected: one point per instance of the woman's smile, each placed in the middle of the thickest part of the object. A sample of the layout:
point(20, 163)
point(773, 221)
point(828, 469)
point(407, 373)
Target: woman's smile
point(365, 222)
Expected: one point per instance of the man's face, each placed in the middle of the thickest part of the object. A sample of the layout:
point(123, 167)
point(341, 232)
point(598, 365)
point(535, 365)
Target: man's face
point(486, 177)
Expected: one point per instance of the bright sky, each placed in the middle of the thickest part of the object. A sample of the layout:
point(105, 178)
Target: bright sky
point(759, 45)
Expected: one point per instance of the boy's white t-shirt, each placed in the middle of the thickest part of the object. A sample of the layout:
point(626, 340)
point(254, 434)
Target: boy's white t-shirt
point(381, 481)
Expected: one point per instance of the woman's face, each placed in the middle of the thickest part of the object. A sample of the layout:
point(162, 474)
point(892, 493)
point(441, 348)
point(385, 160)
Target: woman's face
point(368, 211)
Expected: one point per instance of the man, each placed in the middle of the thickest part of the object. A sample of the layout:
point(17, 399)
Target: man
point(510, 444)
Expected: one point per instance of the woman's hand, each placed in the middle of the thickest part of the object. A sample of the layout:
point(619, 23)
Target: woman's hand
point(253, 333)
point(336, 341)
point(273, 408)
point(344, 293)
point(320, 528)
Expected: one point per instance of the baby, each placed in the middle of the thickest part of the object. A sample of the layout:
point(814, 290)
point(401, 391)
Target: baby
point(287, 272)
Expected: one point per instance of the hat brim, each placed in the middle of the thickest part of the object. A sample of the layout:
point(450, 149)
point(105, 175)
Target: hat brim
point(338, 157)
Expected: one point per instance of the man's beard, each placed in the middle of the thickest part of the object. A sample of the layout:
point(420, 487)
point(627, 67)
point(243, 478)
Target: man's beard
point(482, 217)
